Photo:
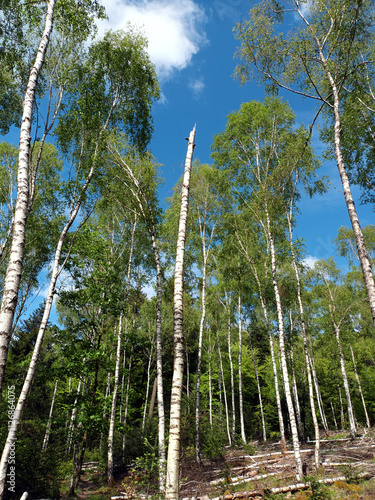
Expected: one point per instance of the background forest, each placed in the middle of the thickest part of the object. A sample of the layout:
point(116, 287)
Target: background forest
point(274, 348)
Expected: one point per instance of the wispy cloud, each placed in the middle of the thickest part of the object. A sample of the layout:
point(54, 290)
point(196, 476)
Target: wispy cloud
point(310, 261)
point(197, 86)
point(173, 28)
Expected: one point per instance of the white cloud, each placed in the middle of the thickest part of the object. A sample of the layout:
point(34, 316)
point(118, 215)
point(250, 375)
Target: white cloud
point(149, 290)
point(173, 29)
point(197, 86)
point(310, 261)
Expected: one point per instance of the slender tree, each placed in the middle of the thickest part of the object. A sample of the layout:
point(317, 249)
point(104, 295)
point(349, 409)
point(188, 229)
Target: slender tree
point(173, 460)
point(320, 59)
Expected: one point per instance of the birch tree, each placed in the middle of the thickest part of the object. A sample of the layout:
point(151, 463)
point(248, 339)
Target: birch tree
point(173, 460)
point(140, 180)
point(25, 177)
point(82, 132)
point(326, 51)
point(337, 306)
point(259, 149)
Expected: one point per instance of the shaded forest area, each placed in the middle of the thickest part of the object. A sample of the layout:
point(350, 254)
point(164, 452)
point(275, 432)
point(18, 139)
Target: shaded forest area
point(245, 369)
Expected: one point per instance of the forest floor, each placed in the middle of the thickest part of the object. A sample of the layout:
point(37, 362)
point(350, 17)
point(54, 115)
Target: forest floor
point(347, 471)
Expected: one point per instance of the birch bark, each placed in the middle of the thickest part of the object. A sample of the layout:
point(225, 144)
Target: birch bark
point(292, 418)
point(173, 460)
point(304, 337)
point(357, 230)
point(243, 436)
point(49, 423)
point(360, 389)
point(200, 341)
point(259, 391)
point(56, 271)
point(228, 301)
point(147, 214)
point(110, 478)
point(221, 377)
point(15, 263)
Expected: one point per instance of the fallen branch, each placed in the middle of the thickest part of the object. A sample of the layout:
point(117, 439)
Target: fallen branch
point(240, 480)
point(307, 484)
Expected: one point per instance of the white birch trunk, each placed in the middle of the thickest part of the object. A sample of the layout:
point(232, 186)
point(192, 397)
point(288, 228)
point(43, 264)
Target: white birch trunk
point(127, 402)
point(122, 381)
point(259, 391)
point(199, 365)
point(225, 395)
point(243, 436)
point(187, 379)
point(147, 392)
point(346, 383)
point(334, 416)
point(49, 423)
point(305, 343)
point(159, 371)
point(111, 430)
point(173, 461)
point(56, 270)
point(266, 319)
point(292, 418)
point(296, 400)
point(210, 377)
point(274, 367)
point(358, 235)
point(148, 216)
point(318, 394)
point(15, 264)
point(228, 301)
point(73, 418)
point(341, 411)
point(360, 389)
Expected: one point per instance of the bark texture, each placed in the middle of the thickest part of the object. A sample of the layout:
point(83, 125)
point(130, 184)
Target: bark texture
point(173, 460)
point(15, 264)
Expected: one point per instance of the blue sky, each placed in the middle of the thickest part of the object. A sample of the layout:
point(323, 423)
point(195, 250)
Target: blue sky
point(192, 46)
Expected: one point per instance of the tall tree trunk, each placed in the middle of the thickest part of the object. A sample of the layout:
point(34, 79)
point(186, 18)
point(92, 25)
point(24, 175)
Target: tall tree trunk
point(296, 400)
point(153, 399)
point(49, 423)
point(149, 218)
point(221, 376)
point(147, 391)
point(292, 418)
point(240, 371)
point(266, 319)
point(56, 270)
point(304, 338)
point(110, 478)
point(360, 389)
point(346, 383)
point(15, 264)
point(173, 460)
point(334, 416)
point(228, 304)
point(199, 365)
point(358, 235)
point(127, 402)
point(341, 411)
point(122, 379)
point(259, 391)
point(219, 364)
point(187, 378)
point(317, 391)
point(210, 376)
point(159, 369)
point(73, 418)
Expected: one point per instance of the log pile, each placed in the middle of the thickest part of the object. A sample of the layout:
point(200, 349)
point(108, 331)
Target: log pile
point(341, 460)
